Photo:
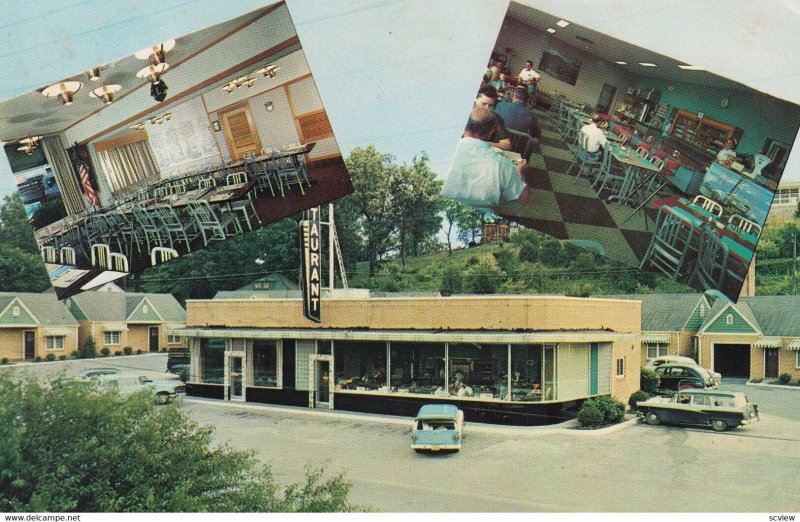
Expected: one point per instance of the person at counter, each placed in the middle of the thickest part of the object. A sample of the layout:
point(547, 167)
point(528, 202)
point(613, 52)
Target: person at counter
point(480, 176)
point(727, 155)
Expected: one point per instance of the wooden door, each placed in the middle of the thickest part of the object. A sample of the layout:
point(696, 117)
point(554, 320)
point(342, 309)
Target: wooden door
point(771, 362)
point(241, 134)
point(606, 96)
point(30, 345)
point(153, 338)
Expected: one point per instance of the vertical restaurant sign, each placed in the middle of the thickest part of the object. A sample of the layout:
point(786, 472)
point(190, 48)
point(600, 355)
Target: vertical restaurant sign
point(312, 266)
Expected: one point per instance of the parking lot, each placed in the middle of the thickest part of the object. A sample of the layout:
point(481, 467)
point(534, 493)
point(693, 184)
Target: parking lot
point(636, 467)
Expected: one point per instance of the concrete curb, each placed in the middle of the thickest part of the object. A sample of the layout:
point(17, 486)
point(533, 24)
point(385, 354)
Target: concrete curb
point(567, 427)
point(767, 385)
point(69, 359)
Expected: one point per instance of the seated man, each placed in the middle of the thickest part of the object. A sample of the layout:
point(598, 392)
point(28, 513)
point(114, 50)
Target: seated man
point(487, 98)
point(517, 115)
point(480, 176)
point(595, 139)
point(530, 78)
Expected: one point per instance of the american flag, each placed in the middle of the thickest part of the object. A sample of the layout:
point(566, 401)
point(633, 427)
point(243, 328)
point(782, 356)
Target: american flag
point(88, 190)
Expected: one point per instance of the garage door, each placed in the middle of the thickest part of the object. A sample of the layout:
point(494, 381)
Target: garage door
point(732, 360)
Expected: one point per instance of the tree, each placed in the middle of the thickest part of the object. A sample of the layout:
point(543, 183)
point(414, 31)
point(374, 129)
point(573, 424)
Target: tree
point(484, 277)
point(21, 266)
point(15, 228)
point(457, 215)
point(421, 206)
point(67, 447)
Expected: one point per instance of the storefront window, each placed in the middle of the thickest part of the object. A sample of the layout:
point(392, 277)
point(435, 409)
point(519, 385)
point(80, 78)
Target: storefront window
point(265, 363)
point(212, 360)
point(418, 368)
point(478, 370)
point(359, 365)
point(526, 372)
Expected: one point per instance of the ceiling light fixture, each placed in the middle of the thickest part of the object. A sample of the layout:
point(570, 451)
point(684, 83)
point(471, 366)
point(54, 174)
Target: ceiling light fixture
point(562, 23)
point(157, 53)
point(138, 127)
point(29, 144)
point(106, 93)
point(93, 74)
point(551, 30)
point(691, 68)
point(647, 64)
point(153, 73)
point(63, 91)
point(269, 70)
point(621, 63)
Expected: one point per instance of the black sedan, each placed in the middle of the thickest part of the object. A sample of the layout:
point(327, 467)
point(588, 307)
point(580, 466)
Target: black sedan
point(683, 376)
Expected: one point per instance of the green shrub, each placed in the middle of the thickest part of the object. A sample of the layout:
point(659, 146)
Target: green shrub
point(105, 352)
point(451, 281)
point(613, 410)
point(184, 374)
point(118, 353)
point(590, 415)
point(756, 380)
point(37, 359)
point(128, 350)
point(50, 357)
point(637, 396)
point(4, 360)
point(784, 378)
point(649, 380)
point(89, 350)
point(138, 352)
point(62, 357)
point(667, 393)
point(75, 354)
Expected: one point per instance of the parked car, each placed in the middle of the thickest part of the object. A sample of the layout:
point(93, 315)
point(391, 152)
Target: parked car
point(437, 427)
point(91, 373)
point(718, 409)
point(654, 363)
point(682, 376)
point(131, 382)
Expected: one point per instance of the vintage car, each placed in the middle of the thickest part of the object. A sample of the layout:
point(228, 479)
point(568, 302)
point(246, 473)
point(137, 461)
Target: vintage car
point(131, 382)
point(682, 376)
point(437, 427)
point(720, 409)
point(655, 362)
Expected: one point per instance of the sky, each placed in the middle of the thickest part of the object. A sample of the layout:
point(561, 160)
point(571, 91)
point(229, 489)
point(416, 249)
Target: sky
point(400, 74)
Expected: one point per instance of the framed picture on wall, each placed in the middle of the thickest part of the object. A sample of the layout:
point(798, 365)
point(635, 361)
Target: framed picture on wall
point(560, 65)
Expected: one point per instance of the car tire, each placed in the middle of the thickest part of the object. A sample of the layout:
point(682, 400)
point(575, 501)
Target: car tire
point(719, 425)
point(652, 418)
point(162, 398)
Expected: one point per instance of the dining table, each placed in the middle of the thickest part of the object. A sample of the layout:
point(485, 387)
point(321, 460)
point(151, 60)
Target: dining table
point(638, 171)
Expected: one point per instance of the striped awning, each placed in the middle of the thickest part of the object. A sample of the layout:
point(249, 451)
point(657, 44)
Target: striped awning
point(649, 338)
point(115, 327)
point(59, 331)
point(794, 345)
point(768, 342)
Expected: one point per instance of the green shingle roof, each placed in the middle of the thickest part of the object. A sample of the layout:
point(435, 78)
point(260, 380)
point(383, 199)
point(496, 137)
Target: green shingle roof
point(778, 315)
point(118, 306)
point(46, 308)
point(663, 312)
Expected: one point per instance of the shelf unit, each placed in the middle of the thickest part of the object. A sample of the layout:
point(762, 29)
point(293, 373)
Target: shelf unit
point(703, 134)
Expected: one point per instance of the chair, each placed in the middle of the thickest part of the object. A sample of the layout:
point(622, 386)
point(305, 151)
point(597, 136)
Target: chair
point(149, 226)
point(263, 172)
point(207, 183)
point(244, 209)
point(670, 243)
point(708, 204)
point(642, 151)
point(49, 254)
point(611, 174)
point(161, 254)
point(118, 262)
point(584, 158)
point(171, 226)
point(210, 225)
point(521, 142)
point(744, 224)
point(623, 138)
point(67, 255)
point(177, 188)
point(288, 173)
point(101, 254)
point(711, 266)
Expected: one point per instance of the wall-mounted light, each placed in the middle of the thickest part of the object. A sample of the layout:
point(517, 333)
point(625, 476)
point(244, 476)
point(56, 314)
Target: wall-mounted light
point(63, 91)
point(269, 106)
point(215, 126)
point(157, 53)
point(106, 93)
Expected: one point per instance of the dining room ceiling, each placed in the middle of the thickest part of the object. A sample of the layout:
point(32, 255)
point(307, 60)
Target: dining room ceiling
point(34, 114)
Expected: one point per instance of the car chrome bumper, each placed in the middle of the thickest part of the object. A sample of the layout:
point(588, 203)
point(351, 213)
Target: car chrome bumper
point(751, 420)
point(436, 447)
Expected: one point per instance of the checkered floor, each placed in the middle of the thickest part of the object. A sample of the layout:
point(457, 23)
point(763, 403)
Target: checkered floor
point(567, 208)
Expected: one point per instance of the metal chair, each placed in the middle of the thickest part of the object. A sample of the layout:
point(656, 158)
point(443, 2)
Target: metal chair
point(67, 255)
point(161, 254)
point(584, 157)
point(49, 254)
point(207, 183)
point(212, 227)
point(245, 210)
point(520, 142)
point(744, 224)
point(611, 175)
point(670, 243)
point(172, 226)
point(711, 266)
point(149, 227)
point(708, 204)
point(288, 173)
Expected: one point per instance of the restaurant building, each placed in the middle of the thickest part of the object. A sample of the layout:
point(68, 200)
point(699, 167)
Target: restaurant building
point(521, 360)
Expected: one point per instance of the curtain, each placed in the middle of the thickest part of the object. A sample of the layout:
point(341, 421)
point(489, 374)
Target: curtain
point(128, 164)
point(67, 179)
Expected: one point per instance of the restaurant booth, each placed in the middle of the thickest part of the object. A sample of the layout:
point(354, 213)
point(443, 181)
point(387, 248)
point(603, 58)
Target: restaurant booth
point(522, 360)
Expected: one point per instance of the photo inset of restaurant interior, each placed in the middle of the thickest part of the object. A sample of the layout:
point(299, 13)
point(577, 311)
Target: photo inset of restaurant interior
point(175, 147)
point(646, 159)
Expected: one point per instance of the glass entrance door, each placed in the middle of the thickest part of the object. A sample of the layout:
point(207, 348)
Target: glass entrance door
point(323, 382)
point(235, 388)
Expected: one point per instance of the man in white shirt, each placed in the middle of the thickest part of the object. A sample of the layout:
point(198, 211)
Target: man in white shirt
point(530, 78)
point(479, 175)
point(595, 139)
point(727, 155)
